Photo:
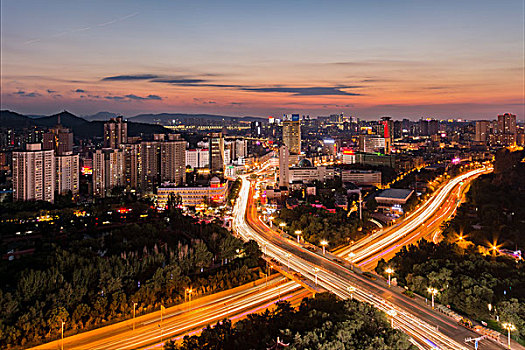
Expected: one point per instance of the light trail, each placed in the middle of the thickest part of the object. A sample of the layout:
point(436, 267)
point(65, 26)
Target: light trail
point(337, 283)
point(179, 320)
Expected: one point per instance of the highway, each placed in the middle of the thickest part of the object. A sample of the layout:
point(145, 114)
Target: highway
point(187, 318)
point(429, 329)
point(425, 221)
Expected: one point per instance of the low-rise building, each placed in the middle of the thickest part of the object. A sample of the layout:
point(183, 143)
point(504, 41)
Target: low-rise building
point(362, 177)
point(192, 196)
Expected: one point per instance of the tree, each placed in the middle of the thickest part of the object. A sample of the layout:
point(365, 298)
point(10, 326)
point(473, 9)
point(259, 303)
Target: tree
point(56, 317)
point(201, 255)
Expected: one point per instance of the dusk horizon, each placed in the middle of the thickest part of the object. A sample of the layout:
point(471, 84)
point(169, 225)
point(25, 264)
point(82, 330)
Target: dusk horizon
point(404, 60)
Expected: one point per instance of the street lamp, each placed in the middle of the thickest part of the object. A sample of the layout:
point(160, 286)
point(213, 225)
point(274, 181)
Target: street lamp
point(316, 270)
point(351, 289)
point(134, 305)
point(389, 271)
point(392, 313)
point(324, 243)
point(433, 291)
point(282, 225)
point(62, 342)
point(298, 233)
point(188, 291)
point(509, 327)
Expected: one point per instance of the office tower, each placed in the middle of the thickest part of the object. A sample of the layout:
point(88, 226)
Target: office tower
point(115, 132)
point(482, 131)
point(284, 166)
point(373, 143)
point(292, 134)
point(216, 148)
point(387, 133)
point(67, 173)
point(132, 164)
point(108, 170)
point(150, 166)
point(173, 160)
point(256, 129)
point(34, 174)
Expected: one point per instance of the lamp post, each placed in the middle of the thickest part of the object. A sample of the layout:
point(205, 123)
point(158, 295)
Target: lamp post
point(433, 291)
point(62, 331)
point(392, 313)
point(282, 225)
point(298, 234)
point(509, 327)
point(389, 271)
point(316, 270)
point(351, 290)
point(189, 291)
point(287, 255)
point(324, 243)
point(134, 305)
point(271, 221)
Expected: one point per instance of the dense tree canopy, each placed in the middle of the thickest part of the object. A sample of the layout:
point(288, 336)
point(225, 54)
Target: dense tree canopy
point(93, 278)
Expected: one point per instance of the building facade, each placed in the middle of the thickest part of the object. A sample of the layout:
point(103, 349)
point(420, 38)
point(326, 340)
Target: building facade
point(292, 135)
point(34, 174)
point(67, 173)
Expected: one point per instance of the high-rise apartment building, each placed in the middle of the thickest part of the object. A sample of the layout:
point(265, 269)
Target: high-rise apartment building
point(292, 135)
point(150, 164)
point(507, 129)
point(67, 173)
point(108, 170)
point(59, 139)
point(173, 160)
point(115, 132)
point(34, 174)
point(482, 131)
point(216, 148)
point(132, 164)
point(284, 166)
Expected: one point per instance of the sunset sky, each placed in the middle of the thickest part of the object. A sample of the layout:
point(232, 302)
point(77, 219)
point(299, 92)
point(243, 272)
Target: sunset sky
point(461, 59)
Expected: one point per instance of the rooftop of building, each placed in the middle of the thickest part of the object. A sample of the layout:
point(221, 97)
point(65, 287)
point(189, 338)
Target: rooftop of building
point(395, 193)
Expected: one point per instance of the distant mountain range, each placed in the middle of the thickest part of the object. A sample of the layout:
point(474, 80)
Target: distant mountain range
point(168, 118)
point(81, 127)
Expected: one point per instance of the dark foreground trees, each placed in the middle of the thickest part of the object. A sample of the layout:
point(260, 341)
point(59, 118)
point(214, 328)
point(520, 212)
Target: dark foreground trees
point(321, 323)
point(94, 278)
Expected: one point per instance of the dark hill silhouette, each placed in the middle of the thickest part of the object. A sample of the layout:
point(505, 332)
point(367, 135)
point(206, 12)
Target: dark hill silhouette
point(80, 127)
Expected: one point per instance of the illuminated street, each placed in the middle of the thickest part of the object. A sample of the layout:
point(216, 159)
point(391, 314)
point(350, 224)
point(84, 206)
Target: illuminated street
point(187, 318)
point(428, 329)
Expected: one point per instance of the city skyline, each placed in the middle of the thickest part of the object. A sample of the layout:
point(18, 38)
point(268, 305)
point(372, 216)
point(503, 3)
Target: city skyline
point(242, 59)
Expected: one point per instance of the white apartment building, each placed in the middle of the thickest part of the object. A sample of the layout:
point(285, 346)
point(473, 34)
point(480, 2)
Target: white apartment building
point(34, 174)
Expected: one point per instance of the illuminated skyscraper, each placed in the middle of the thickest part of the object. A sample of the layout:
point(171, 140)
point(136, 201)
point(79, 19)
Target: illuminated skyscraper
point(292, 134)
